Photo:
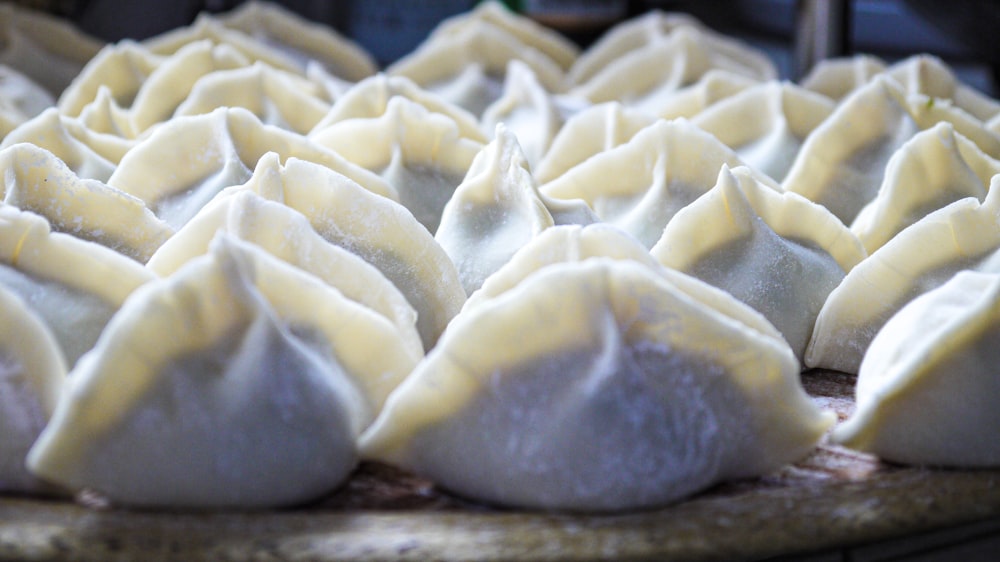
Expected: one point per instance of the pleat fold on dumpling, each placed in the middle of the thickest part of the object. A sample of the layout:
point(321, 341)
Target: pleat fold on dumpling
point(527, 110)
point(596, 386)
point(21, 99)
point(239, 381)
point(928, 387)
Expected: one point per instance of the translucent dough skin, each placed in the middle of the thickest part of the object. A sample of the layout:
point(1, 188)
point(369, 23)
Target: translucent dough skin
point(927, 389)
point(580, 390)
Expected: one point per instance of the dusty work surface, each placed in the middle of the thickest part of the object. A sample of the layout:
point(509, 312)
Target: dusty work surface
point(833, 498)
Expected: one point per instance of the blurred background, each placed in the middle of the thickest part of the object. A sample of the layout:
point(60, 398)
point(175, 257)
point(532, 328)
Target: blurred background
point(794, 32)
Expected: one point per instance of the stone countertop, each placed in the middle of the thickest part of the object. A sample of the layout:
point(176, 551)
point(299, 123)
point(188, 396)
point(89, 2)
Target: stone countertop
point(832, 499)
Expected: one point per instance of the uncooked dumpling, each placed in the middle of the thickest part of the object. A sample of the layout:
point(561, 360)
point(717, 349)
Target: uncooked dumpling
point(239, 381)
point(766, 124)
point(777, 252)
point(936, 167)
point(838, 77)
point(962, 235)
point(596, 386)
point(526, 110)
point(928, 387)
point(422, 155)
point(74, 286)
point(32, 372)
point(286, 234)
point(121, 69)
point(713, 86)
point(638, 186)
point(493, 213)
point(928, 75)
point(20, 99)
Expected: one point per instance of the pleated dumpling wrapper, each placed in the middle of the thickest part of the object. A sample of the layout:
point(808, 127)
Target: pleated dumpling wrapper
point(494, 212)
point(286, 234)
point(962, 235)
point(381, 231)
point(927, 74)
point(596, 386)
point(713, 86)
point(527, 110)
point(182, 165)
point(20, 99)
point(36, 180)
point(73, 285)
point(838, 77)
point(238, 382)
point(640, 185)
point(32, 373)
point(928, 387)
point(938, 166)
point(779, 253)
point(421, 154)
point(766, 124)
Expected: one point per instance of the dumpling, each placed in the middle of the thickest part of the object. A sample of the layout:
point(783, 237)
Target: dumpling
point(89, 154)
point(928, 75)
point(777, 252)
point(74, 286)
point(379, 230)
point(32, 373)
point(105, 116)
point(596, 386)
point(493, 213)
point(275, 96)
point(467, 65)
point(422, 155)
point(638, 186)
point(286, 234)
point(239, 381)
point(369, 99)
point(187, 161)
point(302, 40)
point(20, 99)
point(48, 50)
point(36, 180)
point(120, 69)
point(527, 110)
point(591, 131)
point(962, 235)
point(838, 77)
point(713, 86)
point(928, 387)
point(766, 124)
point(936, 167)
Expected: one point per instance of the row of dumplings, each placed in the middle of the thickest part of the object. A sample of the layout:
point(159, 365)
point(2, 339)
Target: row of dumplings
point(610, 314)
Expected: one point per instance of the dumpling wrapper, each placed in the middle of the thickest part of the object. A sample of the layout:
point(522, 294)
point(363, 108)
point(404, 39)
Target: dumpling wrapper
point(32, 373)
point(527, 110)
point(240, 381)
point(713, 86)
point(493, 213)
point(369, 99)
point(421, 154)
point(928, 388)
point(929, 75)
point(120, 69)
point(382, 232)
point(938, 166)
point(187, 161)
point(301, 39)
point(36, 180)
point(766, 124)
point(48, 50)
point(580, 390)
point(286, 234)
point(20, 99)
point(640, 185)
point(74, 286)
point(838, 77)
point(591, 131)
point(777, 252)
point(962, 235)
point(275, 96)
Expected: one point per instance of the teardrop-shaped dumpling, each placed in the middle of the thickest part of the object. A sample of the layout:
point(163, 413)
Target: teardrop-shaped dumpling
point(239, 381)
point(596, 386)
point(928, 387)
point(638, 186)
point(938, 166)
point(527, 110)
point(422, 155)
point(838, 77)
point(766, 124)
point(493, 213)
point(187, 161)
point(32, 373)
point(36, 180)
point(20, 99)
point(777, 252)
point(381, 231)
point(286, 234)
point(962, 235)
point(74, 286)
